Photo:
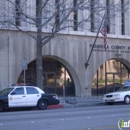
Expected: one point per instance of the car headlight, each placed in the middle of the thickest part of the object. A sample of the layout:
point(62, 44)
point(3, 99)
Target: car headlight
point(116, 95)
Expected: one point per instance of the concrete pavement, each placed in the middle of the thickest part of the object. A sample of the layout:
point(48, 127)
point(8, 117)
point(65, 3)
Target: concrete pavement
point(82, 101)
point(78, 102)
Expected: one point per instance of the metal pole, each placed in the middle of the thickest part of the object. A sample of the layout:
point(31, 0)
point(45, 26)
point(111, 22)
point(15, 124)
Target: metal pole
point(24, 64)
point(64, 92)
point(97, 84)
point(8, 62)
point(105, 78)
point(24, 76)
point(24, 70)
point(86, 64)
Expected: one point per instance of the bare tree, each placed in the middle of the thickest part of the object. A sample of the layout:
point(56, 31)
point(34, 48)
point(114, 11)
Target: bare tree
point(49, 17)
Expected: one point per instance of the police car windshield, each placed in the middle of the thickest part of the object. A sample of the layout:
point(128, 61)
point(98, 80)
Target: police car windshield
point(6, 91)
point(124, 88)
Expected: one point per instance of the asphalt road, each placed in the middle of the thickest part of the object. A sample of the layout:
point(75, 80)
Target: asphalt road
point(79, 118)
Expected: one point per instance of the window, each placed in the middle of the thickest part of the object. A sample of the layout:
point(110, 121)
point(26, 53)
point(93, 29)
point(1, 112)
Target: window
point(38, 13)
point(92, 15)
point(18, 91)
point(17, 10)
point(37, 3)
point(75, 15)
point(31, 90)
point(57, 17)
point(122, 18)
point(6, 91)
point(108, 15)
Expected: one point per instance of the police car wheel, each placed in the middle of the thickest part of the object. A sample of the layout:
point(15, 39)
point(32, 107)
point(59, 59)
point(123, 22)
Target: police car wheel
point(42, 104)
point(1, 106)
point(127, 100)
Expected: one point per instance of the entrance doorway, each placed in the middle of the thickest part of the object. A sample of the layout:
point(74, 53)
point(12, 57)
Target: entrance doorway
point(55, 75)
point(113, 82)
point(110, 76)
point(49, 81)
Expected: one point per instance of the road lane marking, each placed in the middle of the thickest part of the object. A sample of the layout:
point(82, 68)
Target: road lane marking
point(105, 127)
point(113, 115)
point(32, 121)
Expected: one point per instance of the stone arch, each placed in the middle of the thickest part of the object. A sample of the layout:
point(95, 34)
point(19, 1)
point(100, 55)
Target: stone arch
point(98, 64)
point(123, 62)
point(70, 70)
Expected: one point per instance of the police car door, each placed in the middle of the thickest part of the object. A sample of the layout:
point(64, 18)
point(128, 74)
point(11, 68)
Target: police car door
point(17, 98)
point(32, 96)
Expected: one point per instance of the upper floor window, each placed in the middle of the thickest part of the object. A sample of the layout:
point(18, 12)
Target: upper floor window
point(92, 24)
point(108, 15)
point(37, 4)
point(39, 10)
point(57, 16)
point(122, 18)
point(17, 14)
point(75, 16)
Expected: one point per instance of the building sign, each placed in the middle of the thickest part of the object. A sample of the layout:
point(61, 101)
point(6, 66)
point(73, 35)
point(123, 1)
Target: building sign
point(117, 49)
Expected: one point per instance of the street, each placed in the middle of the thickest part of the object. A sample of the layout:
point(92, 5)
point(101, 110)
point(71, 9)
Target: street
point(79, 118)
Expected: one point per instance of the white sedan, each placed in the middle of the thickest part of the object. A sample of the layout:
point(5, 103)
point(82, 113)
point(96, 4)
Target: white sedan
point(26, 96)
point(121, 95)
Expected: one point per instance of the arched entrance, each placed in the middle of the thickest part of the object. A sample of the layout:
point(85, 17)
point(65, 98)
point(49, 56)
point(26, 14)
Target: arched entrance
point(110, 76)
point(55, 75)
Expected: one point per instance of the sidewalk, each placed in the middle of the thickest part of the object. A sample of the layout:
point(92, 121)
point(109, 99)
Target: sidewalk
point(80, 101)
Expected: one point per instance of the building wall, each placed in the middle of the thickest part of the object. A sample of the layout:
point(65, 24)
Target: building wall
point(71, 50)
point(13, 47)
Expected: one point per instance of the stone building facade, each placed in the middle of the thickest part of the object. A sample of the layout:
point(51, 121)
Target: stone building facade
point(70, 50)
point(64, 57)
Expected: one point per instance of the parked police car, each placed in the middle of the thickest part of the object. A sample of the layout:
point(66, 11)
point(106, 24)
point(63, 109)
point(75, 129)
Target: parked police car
point(26, 96)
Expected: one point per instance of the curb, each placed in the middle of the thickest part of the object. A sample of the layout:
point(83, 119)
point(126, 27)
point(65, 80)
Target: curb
point(51, 107)
point(88, 104)
point(55, 106)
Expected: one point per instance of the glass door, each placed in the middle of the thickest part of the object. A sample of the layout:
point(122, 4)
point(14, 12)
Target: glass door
point(113, 82)
point(49, 81)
